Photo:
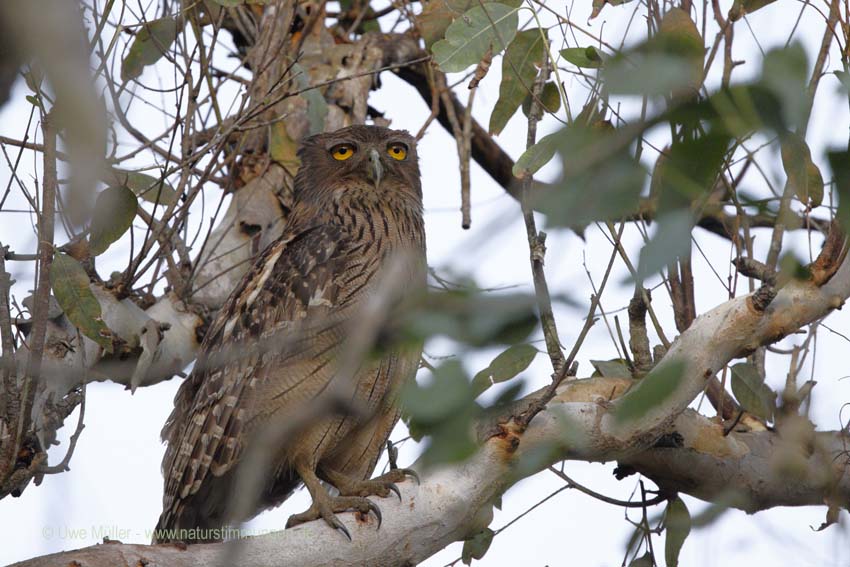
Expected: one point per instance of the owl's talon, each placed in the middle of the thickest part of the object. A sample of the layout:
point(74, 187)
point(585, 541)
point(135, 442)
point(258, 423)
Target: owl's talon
point(377, 511)
point(326, 507)
point(392, 486)
point(400, 475)
point(412, 474)
point(341, 527)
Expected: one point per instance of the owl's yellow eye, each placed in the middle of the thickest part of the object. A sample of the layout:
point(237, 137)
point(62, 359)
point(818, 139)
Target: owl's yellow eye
point(342, 152)
point(397, 151)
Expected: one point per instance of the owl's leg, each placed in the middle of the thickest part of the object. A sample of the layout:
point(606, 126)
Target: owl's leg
point(326, 506)
point(378, 486)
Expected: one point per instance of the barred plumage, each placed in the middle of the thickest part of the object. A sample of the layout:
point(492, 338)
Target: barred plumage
point(275, 343)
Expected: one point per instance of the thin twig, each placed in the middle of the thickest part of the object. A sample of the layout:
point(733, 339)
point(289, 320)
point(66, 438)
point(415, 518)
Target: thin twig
point(607, 499)
point(465, 152)
point(42, 291)
point(537, 241)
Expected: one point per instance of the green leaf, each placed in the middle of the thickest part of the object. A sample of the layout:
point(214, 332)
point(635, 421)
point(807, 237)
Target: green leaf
point(448, 391)
point(599, 4)
point(469, 37)
point(754, 395)
point(844, 77)
point(802, 172)
point(504, 367)
point(790, 267)
point(229, 3)
point(651, 74)
point(644, 560)
point(34, 77)
point(743, 7)
point(536, 156)
point(671, 240)
point(114, 212)
point(476, 547)
point(671, 61)
point(785, 73)
point(651, 392)
point(741, 109)
point(472, 317)
point(689, 170)
point(443, 409)
point(519, 68)
point(437, 16)
point(679, 35)
point(317, 106)
point(587, 57)
point(678, 522)
point(716, 510)
point(150, 43)
point(616, 368)
point(70, 285)
point(145, 186)
point(550, 98)
point(601, 180)
point(839, 162)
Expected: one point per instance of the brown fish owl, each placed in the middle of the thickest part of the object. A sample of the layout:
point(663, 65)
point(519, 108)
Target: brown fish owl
point(275, 344)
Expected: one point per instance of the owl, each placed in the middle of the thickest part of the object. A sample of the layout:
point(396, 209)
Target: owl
point(275, 345)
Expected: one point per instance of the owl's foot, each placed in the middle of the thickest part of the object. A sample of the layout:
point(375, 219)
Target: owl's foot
point(326, 507)
point(378, 486)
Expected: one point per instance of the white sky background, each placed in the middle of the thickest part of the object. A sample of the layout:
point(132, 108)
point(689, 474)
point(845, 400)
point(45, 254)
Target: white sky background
point(115, 481)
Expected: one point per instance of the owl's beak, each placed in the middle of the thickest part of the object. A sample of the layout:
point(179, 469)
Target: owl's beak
point(376, 167)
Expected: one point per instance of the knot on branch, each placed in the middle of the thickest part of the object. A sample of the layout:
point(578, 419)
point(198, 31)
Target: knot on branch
point(538, 248)
point(831, 255)
point(754, 269)
point(763, 296)
point(638, 337)
point(751, 268)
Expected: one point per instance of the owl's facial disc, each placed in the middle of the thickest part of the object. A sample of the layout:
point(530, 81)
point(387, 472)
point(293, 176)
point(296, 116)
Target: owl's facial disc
point(376, 167)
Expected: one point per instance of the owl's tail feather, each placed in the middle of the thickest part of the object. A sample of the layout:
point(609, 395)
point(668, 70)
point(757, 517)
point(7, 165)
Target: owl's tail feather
point(200, 517)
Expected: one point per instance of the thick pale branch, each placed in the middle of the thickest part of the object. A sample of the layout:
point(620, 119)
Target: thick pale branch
point(455, 501)
point(729, 331)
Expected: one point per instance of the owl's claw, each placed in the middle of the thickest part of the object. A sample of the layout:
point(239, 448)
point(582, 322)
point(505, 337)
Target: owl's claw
point(412, 474)
point(378, 486)
point(326, 507)
point(376, 511)
point(337, 524)
point(392, 486)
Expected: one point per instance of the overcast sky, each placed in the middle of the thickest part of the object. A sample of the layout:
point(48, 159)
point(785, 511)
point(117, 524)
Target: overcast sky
point(114, 487)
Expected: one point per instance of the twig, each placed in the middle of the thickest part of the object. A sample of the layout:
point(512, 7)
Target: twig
point(7, 366)
point(465, 151)
point(607, 499)
point(72, 443)
point(9, 400)
point(537, 241)
point(42, 292)
point(569, 367)
point(817, 71)
point(659, 330)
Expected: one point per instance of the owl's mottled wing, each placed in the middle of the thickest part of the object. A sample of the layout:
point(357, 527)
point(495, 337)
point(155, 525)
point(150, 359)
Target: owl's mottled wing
point(298, 283)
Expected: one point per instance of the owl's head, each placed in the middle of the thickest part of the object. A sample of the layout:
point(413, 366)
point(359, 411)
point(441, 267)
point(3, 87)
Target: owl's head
point(369, 161)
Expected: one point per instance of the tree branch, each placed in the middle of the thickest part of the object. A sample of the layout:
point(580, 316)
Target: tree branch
point(454, 502)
